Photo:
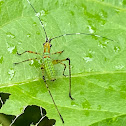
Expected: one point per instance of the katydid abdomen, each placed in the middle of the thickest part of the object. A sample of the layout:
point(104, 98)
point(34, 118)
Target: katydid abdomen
point(49, 68)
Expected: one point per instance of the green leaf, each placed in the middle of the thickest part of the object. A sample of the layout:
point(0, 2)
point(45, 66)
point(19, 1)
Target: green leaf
point(97, 65)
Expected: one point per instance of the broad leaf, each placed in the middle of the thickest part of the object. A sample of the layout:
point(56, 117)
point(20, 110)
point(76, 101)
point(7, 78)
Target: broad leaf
point(97, 64)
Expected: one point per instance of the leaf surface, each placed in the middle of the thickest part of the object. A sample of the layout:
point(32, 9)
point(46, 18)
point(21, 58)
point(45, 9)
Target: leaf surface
point(97, 64)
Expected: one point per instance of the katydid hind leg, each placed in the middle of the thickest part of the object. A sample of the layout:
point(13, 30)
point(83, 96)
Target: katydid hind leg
point(51, 94)
point(60, 61)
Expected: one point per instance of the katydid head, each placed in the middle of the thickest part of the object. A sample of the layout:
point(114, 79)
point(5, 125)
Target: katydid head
point(47, 47)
